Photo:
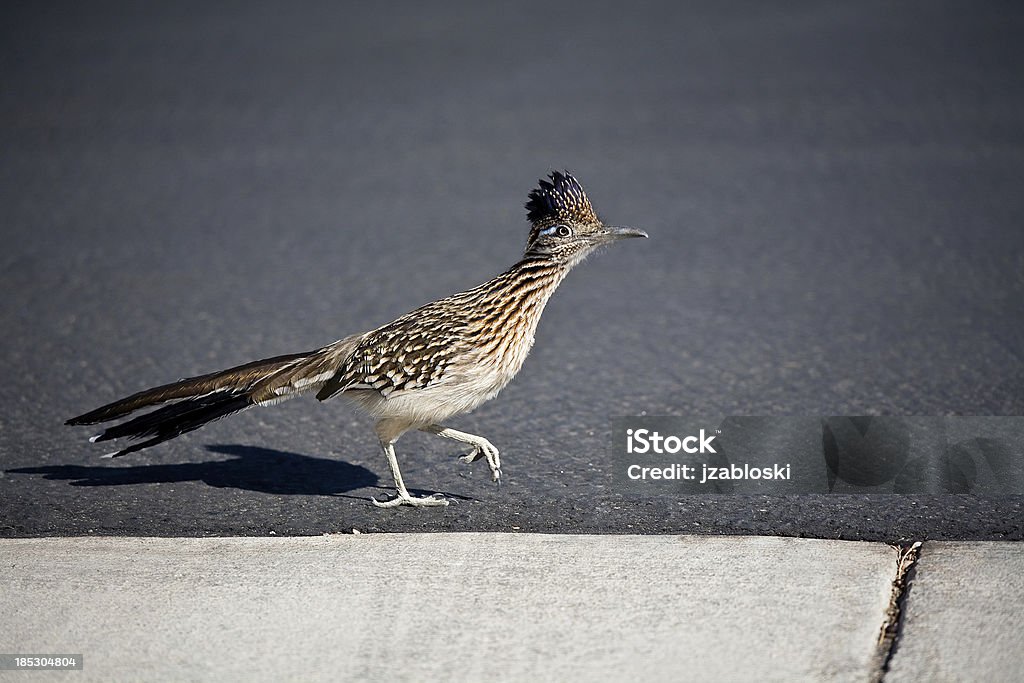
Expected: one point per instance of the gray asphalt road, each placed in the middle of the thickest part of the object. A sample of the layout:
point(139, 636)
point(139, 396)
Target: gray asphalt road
point(832, 193)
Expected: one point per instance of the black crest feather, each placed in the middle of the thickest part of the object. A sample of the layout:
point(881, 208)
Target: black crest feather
point(561, 199)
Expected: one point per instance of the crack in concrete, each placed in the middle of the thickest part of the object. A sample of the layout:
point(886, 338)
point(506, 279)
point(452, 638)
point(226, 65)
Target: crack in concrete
point(907, 555)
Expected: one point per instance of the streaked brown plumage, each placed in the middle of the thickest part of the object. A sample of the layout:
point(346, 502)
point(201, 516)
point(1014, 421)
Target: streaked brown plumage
point(440, 360)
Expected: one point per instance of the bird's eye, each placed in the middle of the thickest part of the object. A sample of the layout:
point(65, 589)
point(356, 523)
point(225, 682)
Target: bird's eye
point(557, 231)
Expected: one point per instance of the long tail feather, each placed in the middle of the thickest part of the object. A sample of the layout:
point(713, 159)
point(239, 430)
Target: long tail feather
point(239, 378)
point(178, 418)
point(174, 420)
point(191, 403)
point(196, 401)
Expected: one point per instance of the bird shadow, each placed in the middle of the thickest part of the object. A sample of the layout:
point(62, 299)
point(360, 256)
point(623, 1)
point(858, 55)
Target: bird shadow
point(250, 468)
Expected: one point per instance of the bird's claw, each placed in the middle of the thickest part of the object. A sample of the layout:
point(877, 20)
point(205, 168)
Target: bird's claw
point(493, 460)
point(435, 500)
point(472, 456)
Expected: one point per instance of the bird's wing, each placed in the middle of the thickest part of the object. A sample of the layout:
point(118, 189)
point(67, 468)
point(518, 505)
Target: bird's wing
point(408, 354)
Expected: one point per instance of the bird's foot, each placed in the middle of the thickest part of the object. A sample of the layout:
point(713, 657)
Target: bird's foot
point(435, 500)
point(486, 450)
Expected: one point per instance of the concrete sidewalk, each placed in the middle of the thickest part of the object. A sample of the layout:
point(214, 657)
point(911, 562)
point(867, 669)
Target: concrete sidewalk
point(480, 607)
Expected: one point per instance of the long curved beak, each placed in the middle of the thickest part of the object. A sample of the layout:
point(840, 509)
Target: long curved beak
point(623, 233)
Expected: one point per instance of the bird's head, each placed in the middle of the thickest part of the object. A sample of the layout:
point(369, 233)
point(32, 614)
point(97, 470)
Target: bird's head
point(564, 226)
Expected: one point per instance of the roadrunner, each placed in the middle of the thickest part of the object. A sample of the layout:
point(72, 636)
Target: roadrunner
point(440, 360)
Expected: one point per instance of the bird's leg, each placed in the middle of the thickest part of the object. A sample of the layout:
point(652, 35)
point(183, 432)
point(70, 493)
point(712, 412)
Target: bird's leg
point(402, 496)
point(482, 448)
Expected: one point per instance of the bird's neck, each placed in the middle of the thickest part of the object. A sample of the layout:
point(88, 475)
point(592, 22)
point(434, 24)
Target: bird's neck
point(530, 282)
point(512, 303)
point(508, 309)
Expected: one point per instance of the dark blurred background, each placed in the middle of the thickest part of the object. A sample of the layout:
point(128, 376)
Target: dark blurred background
point(833, 194)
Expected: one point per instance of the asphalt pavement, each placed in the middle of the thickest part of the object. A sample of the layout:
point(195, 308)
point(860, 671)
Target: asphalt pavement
point(831, 190)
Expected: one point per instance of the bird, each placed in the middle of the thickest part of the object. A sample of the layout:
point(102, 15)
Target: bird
point(440, 360)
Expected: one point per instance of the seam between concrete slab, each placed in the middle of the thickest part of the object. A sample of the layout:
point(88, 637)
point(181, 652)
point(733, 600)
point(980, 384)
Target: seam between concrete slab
point(892, 626)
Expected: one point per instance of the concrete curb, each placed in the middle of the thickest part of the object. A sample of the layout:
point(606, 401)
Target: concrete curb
point(468, 607)
point(964, 616)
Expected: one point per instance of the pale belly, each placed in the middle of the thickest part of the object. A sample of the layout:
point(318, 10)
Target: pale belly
point(460, 391)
